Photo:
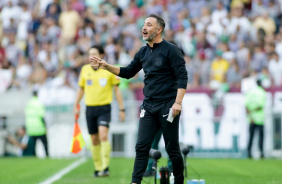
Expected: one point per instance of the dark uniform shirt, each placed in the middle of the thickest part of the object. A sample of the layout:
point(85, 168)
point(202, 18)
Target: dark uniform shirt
point(164, 69)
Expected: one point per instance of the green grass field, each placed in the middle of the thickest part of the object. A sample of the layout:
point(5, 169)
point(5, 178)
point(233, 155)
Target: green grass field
point(214, 171)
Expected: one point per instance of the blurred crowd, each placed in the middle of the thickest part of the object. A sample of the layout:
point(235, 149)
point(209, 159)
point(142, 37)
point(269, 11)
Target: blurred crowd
point(47, 41)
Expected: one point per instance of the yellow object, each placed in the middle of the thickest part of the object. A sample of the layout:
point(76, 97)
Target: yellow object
point(77, 140)
point(105, 154)
point(96, 155)
point(268, 25)
point(219, 68)
point(238, 3)
point(97, 85)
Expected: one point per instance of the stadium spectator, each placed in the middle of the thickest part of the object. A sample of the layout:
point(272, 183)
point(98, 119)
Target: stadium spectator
point(202, 70)
point(275, 69)
point(2, 56)
point(259, 59)
point(257, 7)
point(13, 51)
point(233, 75)
point(53, 10)
point(9, 15)
point(219, 68)
point(22, 73)
point(219, 13)
point(24, 20)
point(72, 26)
point(97, 85)
point(194, 7)
point(273, 9)
point(69, 20)
point(265, 22)
point(243, 57)
point(238, 23)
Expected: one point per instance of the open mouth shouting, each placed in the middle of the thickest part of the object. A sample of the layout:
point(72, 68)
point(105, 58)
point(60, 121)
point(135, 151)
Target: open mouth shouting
point(145, 33)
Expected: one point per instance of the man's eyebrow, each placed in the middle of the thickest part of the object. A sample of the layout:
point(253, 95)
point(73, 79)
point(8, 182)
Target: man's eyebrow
point(147, 23)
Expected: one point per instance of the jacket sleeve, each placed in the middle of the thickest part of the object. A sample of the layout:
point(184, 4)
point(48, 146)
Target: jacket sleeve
point(177, 64)
point(132, 69)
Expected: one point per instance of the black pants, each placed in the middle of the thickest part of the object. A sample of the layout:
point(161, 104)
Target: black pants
point(153, 119)
point(43, 139)
point(252, 129)
point(155, 145)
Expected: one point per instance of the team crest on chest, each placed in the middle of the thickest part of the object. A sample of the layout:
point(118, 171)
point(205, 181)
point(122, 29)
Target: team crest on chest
point(103, 82)
point(159, 61)
point(89, 82)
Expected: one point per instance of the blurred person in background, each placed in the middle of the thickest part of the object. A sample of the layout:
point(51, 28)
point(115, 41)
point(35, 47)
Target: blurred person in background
point(259, 59)
point(227, 54)
point(243, 57)
point(39, 74)
point(275, 69)
point(257, 8)
point(22, 72)
point(69, 21)
point(9, 15)
point(97, 85)
point(239, 24)
point(13, 51)
point(202, 70)
point(53, 10)
point(23, 141)
point(233, 75)
point(165, 86)
point(219, 13)
point(265, 22)
point(219, 67)
point(136, 85)
point(34, 121)
point(273, 9)
point(255, 103)
point(194, 7)
point(2, 55)
point(23, 22)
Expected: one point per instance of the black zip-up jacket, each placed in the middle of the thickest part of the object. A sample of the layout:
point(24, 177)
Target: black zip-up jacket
point(164, 68)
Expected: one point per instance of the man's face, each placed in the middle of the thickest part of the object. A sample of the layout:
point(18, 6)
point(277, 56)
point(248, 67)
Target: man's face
point(150, 29)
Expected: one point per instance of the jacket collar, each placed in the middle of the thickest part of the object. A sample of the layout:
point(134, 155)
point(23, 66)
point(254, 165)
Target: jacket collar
point(155, 45)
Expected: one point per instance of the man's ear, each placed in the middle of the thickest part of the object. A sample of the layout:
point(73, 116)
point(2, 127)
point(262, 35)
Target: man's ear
point(159, 30)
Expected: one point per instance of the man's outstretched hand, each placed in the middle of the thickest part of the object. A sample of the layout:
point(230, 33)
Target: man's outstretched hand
point(97, 62)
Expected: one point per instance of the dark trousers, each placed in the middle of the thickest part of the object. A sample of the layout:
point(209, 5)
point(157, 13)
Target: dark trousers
point(154, 119)
point(43, 139)
point(252, 129)
point(155, 145)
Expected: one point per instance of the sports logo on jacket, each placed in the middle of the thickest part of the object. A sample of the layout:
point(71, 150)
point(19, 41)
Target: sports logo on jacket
point(103, 82)
point(142, 113)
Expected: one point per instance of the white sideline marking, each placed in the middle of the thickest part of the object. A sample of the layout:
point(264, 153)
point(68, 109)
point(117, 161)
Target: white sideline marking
point(64, 171)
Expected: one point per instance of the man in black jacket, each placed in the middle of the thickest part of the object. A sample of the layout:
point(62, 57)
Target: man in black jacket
point(165, 86)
